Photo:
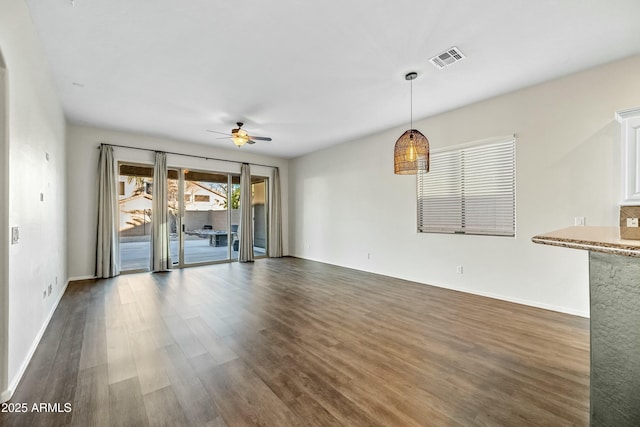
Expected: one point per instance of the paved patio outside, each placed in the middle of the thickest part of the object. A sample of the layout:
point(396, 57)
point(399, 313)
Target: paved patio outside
point(135, 253)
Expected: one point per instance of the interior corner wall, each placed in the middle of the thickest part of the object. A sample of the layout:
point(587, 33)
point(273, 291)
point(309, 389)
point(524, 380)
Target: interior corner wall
point(35, 195)
point(82, 160)
point(349, 209)
point(4, 231)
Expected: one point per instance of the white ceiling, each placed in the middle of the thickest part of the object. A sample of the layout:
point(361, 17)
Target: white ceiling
point(308, 73)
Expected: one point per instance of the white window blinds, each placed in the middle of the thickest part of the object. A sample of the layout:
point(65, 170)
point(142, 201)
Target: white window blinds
point(469, 190)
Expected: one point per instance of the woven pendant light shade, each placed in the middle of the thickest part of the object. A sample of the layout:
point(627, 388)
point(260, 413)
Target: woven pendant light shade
point(411, 153)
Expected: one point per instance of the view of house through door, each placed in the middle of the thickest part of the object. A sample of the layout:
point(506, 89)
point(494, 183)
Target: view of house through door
point(204, 214)
point(134, 202)
point(205, 207)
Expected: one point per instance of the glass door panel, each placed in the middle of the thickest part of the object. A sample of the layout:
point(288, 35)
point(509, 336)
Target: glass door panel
point(234, 215)
point(173, 201)
point(205, 217)
point(259, 207)
point(135, 197)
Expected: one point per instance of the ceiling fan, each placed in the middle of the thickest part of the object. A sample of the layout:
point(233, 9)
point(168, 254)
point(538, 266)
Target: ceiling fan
point(240, 136)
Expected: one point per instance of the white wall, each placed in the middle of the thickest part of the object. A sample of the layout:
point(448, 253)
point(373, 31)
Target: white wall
point(36, 126)
point(82, 163)
point(4, 229)
point(346, 202)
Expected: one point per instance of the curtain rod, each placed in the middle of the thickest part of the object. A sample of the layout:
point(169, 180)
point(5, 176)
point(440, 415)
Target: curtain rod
point(185, 155)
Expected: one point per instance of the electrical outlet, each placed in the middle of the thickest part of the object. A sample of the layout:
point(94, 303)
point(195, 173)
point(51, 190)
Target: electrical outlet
point(632, 222)
point(459, 269)
point(579, 221)
point(368, 255)
point(15, 235)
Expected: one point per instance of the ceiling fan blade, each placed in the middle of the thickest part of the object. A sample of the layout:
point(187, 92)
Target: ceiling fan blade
point(221, 133)
point(251, 141)
point(260, 138)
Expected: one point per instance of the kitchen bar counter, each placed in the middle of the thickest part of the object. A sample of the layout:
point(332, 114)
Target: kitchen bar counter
point(614, 292)
point(596, 239)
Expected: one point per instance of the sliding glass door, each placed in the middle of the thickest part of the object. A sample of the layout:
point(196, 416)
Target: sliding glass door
point(207, 217)
point(259, 211)
point(204, 214)
point(206, 207)
point(135, 193)
point(173, 200)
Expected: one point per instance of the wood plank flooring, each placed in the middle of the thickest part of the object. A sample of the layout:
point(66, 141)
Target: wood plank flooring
point(290, 342)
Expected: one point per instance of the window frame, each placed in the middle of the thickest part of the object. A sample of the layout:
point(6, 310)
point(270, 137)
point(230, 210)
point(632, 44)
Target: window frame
point(454, 216)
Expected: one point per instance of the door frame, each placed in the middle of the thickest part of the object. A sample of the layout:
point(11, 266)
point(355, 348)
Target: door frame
point(180, 219)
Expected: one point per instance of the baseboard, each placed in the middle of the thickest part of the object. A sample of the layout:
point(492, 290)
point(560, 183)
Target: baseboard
point(520, 301)
point(78, 278)
point(7, 394)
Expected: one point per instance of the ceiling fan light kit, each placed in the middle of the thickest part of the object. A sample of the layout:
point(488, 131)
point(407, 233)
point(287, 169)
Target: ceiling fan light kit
point(411, 152)
point(240, 136)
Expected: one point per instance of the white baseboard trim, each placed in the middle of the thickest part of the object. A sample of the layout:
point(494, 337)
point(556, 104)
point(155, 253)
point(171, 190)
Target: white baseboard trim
point(77, 278)
point(520, 301)
point(7, 394)
point(469, 291)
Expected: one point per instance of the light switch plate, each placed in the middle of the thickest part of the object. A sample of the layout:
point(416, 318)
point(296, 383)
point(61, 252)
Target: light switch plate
point(15, 235)
point(632, 222)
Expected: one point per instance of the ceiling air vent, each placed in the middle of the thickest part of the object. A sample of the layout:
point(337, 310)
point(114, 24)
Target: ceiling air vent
point(447, 57)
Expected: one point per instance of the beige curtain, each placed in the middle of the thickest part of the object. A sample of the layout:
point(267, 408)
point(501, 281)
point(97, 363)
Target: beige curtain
point(107, 250)
point(275, 242)
point(245, 231)
point(160, 252)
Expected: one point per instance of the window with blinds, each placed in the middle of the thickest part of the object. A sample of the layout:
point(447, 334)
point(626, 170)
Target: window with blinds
point(470, 190)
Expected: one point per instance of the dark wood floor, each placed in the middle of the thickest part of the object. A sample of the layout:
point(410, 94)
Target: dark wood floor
point(292, 342)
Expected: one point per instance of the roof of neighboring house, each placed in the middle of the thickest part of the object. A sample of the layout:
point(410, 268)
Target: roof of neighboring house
point(150, 197)
point(211, 190)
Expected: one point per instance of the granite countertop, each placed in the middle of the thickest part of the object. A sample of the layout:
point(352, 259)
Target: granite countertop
point(597, 239)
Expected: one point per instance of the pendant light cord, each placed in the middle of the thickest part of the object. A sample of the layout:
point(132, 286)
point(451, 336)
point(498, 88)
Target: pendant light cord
point(411, 100)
